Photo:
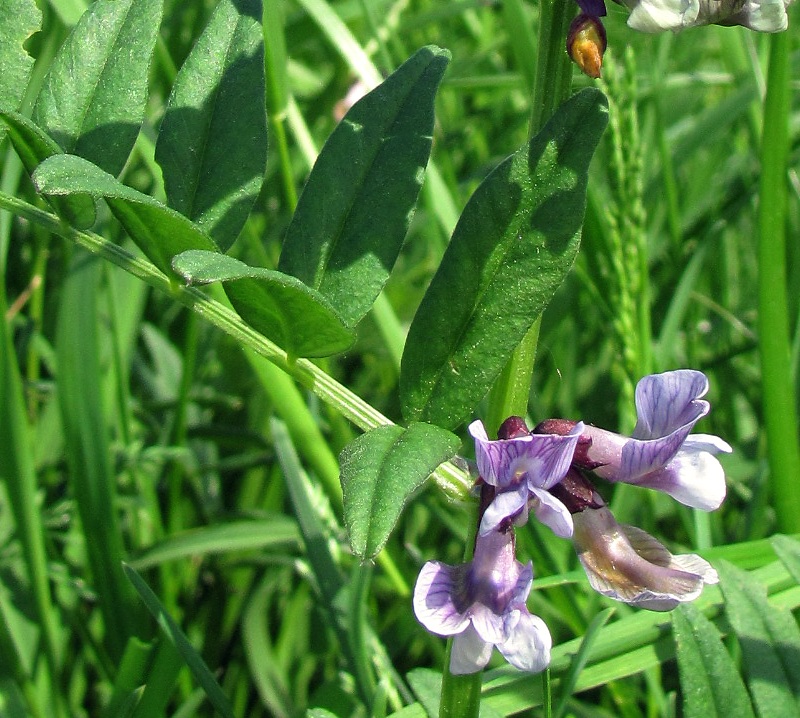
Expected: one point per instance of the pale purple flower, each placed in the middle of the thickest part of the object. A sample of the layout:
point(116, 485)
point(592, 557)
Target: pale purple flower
point(627, 564)
point(662, 454)
point(521, 470)
point(482, 604)
point(659, 15)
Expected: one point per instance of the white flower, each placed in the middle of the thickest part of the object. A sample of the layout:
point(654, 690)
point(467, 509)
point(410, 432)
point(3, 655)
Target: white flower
point(659, 15)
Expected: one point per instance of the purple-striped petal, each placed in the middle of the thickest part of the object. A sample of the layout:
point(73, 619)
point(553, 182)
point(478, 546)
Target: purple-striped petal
point(434, 598)
point(669, 401)
point(595, 8)
point(541, 459)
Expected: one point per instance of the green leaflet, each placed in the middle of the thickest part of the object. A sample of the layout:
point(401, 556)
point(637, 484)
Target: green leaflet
point(34, 146)
point(356, 207)
point(379, 472)
point(710, 682)
point(158, 231)
point(282, 308)
point(514, 244)
point(177, 637)
point(770, 643)
point(93, 99)
point(212, 144)
point(19, 19)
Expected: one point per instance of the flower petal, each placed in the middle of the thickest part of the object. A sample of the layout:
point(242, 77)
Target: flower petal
point(470, 653)
point(695, 478)
point(505, 505)
point(529, 643)
point(543, 459)
point(552, 513)
point(489, 625)
point(434, 598)
point(629, 565)
point(669, 401)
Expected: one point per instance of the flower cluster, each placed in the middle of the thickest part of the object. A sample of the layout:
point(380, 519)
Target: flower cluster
point(586, 40)
point(546, 472)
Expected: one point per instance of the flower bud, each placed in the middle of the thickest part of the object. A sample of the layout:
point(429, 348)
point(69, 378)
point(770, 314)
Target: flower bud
point(586, 43)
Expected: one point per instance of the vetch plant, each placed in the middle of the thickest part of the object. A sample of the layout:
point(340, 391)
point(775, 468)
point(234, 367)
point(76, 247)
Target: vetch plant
point(204, 498)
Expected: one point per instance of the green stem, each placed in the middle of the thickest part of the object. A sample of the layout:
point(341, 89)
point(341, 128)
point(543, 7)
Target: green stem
point(461, 694)
point(780, 414)
point(453, 481)
point(509, 396)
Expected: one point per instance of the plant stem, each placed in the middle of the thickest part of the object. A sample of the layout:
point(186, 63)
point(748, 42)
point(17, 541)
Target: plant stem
point(509, 396)
point(452, 480)
point(780, 414)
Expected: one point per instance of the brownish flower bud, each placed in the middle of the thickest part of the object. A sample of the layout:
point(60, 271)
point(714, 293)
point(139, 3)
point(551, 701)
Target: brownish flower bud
point(512, 428)
point(586, 43)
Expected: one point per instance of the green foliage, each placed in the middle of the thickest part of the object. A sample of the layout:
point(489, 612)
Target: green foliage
point(132, 430)
point(33, 146)
point(379, 472)
point(358, 201)
point(212, 143)
point(281, 307)
point(159, 231)
point(93, 98)
point(513, 246)
point(710, 683)
point(18, 21)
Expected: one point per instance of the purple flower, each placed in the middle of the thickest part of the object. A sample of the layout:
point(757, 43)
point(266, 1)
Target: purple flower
point(629, 565)
point(521, 470)
point(662, 454)
point(482, 604)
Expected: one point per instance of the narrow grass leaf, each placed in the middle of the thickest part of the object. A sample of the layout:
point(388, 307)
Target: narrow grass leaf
point(788, 550)
point(359, 200)
point(514, 244)
point(271, 683)
point(88, 450)
point(18, 475)
point(93, 98)
point(34, 146)
point(276, 532)
point(710, 682)
point(162, 676)
point(770, 643)
point(570, 679)
point(212, 144)
point(160, 232)
point(380, 470)
point(281, 307)
point(19, 19)
point(129, 679)
point(342, 40)
point(173, 632)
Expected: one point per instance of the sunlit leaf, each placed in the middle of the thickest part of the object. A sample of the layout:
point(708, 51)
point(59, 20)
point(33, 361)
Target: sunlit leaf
point(160, 232)
point(212, 144)
point(19, 19)
point(282, 308)
point(710, 682)
point(379, 472)
point(357, 204)
point(514, 244)
point(93, 98)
